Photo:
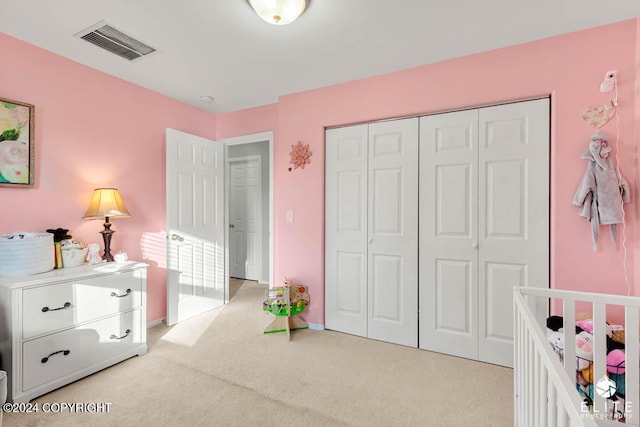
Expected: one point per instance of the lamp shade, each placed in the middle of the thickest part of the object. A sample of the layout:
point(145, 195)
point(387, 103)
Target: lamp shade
point(279, 12)
point(106, 203)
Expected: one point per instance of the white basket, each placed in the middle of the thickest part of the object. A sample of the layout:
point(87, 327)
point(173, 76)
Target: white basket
point(31, 255)
point(73, 257)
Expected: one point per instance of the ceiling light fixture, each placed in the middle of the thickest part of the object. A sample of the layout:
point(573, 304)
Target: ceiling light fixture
point(206, 98)
point(279, 12)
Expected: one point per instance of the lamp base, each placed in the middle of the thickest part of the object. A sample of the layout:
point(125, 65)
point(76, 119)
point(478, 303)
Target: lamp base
point(106, 237)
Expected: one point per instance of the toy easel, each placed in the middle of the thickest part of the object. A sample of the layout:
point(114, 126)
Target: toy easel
point(286, 303)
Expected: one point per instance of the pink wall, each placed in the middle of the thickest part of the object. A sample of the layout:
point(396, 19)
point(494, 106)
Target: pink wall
point(248, 122)
point(636, 119)
point(569, 68)
point(95, 130)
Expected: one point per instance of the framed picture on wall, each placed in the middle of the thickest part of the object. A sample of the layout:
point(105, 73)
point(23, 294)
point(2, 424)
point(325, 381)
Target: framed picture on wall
point(17, 157)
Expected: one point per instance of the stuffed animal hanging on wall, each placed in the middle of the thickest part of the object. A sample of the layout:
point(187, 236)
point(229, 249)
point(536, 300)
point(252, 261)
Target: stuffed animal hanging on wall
point(602, 190)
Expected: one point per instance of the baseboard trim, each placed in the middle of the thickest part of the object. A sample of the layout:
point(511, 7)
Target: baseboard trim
point(155, 323)
point(315, 326)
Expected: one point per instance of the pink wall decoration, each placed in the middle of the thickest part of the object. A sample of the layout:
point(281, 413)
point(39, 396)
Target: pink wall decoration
point(16, 143)
point(300, 155)
point(600, 115)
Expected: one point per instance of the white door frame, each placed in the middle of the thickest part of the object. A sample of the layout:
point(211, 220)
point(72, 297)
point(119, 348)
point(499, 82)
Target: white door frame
point(240, 159)
point(249, 139)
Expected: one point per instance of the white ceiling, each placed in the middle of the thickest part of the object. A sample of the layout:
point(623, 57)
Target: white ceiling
point(222, 49)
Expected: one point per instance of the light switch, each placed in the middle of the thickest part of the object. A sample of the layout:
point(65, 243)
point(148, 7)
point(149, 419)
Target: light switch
point(289, 216)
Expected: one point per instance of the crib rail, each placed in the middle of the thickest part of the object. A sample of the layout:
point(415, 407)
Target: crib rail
point(543, 392)
point(598, 304)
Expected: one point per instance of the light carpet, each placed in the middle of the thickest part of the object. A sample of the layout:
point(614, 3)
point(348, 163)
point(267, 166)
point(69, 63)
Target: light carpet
point(219, 369)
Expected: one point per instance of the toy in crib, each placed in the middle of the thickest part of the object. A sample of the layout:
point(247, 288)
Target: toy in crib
point(583, 344)
point(612, 385)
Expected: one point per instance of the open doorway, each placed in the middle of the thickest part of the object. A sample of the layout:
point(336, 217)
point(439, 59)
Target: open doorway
point(249, 209)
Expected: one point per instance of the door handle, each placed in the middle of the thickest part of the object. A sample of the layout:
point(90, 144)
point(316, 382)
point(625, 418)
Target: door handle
point(177, 237)
point(232, 226)
point(474, 245)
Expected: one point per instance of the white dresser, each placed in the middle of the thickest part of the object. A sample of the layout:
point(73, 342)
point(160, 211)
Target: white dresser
point(60, 326)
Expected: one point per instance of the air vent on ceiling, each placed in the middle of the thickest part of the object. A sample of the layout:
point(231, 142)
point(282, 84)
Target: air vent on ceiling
point(115, 41)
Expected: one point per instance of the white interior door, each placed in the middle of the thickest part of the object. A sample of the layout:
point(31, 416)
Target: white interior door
point(195, 225)
point(484, 224)
point(245, 218)
point(346, 230)
point(449, 233)
point(513, 217)
point(371, 229)
point(393, 232)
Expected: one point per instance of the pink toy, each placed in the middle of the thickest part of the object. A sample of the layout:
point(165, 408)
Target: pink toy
point(615, 362)
point(586, 325)
point(584, 350)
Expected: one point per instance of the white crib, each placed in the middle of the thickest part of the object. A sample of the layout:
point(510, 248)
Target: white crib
point(544, 387)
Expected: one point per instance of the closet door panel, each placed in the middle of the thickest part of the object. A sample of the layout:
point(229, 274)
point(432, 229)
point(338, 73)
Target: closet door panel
point(393, 230)
point(500, 279)
point(386, 295)
point(346, 230)
point(454, 286)
point(448, 233)
point(506, 192)
point(514, 217)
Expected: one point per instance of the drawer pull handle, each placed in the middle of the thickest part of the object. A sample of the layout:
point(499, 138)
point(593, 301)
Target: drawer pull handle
point(64, 352)
point(126, 334)
point(127, 292)
point(66, 305)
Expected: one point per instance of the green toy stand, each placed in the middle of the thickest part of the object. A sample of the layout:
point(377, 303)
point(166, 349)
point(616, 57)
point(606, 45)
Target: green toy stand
point(285, 303)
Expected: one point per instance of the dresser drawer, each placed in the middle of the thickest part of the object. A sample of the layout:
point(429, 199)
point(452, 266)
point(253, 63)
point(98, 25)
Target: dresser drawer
point(63, 305)
point(58, 355)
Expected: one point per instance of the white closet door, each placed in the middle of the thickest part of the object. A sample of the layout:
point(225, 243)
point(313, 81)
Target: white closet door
point(393, 232)
point(346, 230)
point(514, 217)
point(449, 233)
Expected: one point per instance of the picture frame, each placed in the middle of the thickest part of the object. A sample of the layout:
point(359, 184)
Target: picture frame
point(17, 154)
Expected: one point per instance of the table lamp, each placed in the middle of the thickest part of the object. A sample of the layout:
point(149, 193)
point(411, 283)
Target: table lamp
point(106, 203)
